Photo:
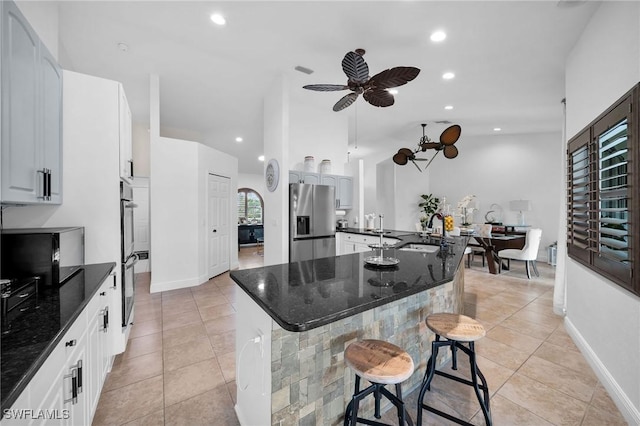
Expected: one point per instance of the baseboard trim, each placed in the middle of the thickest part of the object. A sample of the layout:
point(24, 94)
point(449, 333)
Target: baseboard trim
point(624, 404)
point(173, 285)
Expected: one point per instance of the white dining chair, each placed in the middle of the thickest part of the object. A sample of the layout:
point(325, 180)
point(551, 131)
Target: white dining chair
point(467, 249)
point(529, 253)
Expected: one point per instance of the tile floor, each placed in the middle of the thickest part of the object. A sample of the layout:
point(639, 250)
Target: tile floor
point(179, 366)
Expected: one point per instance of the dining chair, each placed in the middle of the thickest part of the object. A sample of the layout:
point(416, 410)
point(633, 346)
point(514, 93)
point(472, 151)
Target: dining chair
point(467, 250)
point(484, 231)
point(529, 253)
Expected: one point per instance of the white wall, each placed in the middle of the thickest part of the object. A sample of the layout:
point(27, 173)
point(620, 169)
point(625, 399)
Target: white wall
point(178, 205)
point(140, 147)
point(603, 318)
point(319, 132)
point(253, 181)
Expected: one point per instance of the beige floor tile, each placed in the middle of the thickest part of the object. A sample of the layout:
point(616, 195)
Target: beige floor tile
point(212, 312)
point(601, 400)
point(597, 417)
point(570, 382)
point(214, 407)
point(192, 380)
point(182, 335)
point(500, 353)
point(180, 292)
point(505, 412)
point(560, 338)
point(220, 324)
point(131, 370)
point(514, 339)
point(144, 328)
point(153, 419)
point(231, 387)
point(227, 364)
point(514, 299)
point(223, 343)
point(149, 311)
point(143, 345)
point(130, 402)
point(549, 320)
point(565, 357)
point(550, 404)
point(174, 308)
point(539, 331)
point(180, 320)
point(215, 299)
point(495, 374)
point(188, 353)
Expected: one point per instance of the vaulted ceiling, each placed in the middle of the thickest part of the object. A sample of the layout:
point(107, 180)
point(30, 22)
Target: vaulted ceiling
point(508, 58)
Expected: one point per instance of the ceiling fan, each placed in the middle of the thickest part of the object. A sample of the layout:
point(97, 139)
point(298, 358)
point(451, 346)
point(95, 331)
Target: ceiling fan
point(448, 138)
point(373, 89)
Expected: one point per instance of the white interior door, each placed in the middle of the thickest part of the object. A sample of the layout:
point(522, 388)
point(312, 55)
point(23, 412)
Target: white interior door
point(218, 228)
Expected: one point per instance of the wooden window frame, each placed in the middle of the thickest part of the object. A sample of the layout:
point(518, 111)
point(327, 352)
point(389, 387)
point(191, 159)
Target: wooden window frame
point(584, 230)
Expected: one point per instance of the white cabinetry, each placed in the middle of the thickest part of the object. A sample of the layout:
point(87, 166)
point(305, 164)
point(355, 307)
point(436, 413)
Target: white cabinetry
point(126, 150)
point(356, 243)
point(31, 114)
point(68, 384)
point(296, 176)
point(344, 189)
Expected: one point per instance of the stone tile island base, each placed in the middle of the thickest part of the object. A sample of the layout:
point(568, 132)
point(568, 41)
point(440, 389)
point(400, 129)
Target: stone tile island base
point(299, 378)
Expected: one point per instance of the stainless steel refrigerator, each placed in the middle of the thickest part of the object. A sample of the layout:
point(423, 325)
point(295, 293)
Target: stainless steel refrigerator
point(312, 222)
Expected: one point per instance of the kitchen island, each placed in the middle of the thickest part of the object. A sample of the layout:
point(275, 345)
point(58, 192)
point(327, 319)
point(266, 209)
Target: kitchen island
point(295, 320)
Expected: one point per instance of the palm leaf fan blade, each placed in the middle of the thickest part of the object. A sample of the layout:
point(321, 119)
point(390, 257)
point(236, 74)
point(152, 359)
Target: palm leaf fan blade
point(379, 98)
point(450, 151)
point(325, 87)
point(345, 101)
point(400, 158)
point(355, 67)
point(450, 135)
point(394, 77)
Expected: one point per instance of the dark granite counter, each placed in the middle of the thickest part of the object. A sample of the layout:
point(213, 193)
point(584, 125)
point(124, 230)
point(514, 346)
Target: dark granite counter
point(304, 295)
point(29, 339)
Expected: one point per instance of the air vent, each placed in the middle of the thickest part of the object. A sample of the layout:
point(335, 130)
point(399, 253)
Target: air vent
point(303, 69)
point(443, 122)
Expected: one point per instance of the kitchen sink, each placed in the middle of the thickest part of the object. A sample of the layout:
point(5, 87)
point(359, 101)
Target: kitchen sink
point(423, 248)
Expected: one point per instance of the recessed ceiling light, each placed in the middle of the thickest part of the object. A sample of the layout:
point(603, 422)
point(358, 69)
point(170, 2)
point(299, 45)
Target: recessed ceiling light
point(448, 107)
point(261, 158)
point(448, 75)
point(438, 36)
point(124, 47)
point(239, 139)
point(393, 91)
point(218, 19)
point(496, 129)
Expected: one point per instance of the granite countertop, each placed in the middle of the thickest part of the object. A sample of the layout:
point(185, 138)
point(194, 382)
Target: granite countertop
point(304, 295)
point(31, 337)
point(388, 233)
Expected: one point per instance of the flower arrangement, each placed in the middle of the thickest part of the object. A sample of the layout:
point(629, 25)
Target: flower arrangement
point(465, 210)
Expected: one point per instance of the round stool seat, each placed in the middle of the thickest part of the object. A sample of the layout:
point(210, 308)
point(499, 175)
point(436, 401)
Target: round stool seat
point(455, 327)
point(378, 361)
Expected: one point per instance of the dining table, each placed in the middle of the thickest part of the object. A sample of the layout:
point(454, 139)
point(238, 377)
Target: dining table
point(496, 242)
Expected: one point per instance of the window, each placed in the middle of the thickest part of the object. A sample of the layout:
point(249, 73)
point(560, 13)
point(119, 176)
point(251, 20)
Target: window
point(250, 206)
point(603, 197)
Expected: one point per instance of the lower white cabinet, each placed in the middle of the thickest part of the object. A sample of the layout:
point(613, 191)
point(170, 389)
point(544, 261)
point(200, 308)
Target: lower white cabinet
point(356, 243)
point(66, 389)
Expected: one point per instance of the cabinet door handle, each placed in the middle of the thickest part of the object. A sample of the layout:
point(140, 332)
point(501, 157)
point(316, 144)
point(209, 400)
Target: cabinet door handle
point(44, 183)
point(131, 166)
point(103, 293)
point(70, 343)
point(105, 319)
point(79, 376)
point(74, 386)
point(215, 230)
point(48, 184)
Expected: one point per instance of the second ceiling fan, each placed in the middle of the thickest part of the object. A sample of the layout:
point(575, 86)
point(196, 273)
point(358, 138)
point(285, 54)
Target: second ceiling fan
point(448, 138)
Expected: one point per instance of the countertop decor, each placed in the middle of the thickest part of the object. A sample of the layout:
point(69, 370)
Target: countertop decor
point(33, 335)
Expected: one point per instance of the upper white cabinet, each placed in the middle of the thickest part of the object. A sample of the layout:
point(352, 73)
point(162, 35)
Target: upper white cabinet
point(344, 189)
point(126, 150)
point(31, 115)
point(296, 176)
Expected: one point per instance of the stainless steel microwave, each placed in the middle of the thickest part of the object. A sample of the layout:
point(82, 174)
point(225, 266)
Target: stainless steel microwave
point(53, 254)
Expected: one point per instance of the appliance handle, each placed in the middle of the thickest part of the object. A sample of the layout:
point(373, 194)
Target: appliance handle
point(130, 205)
point(135, 260)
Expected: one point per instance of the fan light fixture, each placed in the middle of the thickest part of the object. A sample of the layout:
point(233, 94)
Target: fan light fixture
point(373, 89)
point(449, 137)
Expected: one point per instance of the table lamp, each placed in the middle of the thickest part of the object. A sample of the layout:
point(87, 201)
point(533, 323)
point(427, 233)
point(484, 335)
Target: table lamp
point(520, 206)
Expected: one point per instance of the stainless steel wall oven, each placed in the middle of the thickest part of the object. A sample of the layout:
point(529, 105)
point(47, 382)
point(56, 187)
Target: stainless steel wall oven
point(128, 257)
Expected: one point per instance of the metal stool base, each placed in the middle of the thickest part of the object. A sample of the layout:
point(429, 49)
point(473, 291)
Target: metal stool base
point(351, 414)
point(475, 373)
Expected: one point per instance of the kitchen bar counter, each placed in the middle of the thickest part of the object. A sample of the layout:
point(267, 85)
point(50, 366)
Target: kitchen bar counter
point(295, 320)
point(304, 295)
point(28, 339)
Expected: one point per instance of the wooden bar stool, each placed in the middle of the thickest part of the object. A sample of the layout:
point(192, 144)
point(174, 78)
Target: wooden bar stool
point(457, 329)
point(381, 363)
